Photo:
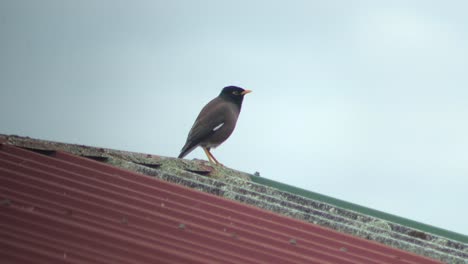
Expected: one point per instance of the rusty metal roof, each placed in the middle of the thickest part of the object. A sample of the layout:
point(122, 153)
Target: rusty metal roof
point(77, 204)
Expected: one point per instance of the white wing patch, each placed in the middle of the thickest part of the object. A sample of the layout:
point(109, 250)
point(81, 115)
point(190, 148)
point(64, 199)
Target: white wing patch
point(218, 126)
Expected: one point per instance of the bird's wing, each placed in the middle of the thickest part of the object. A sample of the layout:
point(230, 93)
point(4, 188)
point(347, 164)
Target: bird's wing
point(210, 119)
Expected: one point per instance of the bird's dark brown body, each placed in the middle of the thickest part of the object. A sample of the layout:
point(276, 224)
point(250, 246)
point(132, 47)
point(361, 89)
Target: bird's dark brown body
point(216, 122)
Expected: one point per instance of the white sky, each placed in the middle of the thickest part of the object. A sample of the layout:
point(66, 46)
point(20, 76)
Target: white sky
point(365, 101)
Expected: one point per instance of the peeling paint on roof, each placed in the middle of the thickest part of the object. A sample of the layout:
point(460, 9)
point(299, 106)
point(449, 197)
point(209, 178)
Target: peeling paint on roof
point(238, 186)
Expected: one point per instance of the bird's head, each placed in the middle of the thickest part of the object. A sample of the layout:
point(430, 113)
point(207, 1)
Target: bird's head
point(234, 94)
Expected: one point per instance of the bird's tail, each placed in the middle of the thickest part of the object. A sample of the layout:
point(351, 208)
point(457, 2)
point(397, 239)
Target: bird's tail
point(188, 147)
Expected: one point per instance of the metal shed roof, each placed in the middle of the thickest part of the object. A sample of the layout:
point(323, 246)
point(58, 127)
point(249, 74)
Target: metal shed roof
point(61, 207)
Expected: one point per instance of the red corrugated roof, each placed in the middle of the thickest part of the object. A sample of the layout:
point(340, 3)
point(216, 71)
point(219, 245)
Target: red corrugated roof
point(66, 208)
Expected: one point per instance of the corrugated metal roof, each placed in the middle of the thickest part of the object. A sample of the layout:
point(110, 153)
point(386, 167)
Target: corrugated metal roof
point(277, 197)
point(61, 207)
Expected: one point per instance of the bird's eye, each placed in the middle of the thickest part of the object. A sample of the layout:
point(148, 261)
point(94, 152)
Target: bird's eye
point(235, 93)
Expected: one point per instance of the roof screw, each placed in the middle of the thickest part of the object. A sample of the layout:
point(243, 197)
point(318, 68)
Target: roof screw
point(343, 249)
point(182, 226)
point(124, 220)
point(233, 235)
point(293, 241)
point(6, 202)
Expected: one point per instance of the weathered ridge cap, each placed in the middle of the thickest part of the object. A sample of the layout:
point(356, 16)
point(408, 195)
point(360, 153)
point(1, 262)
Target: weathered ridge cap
point(286, 200)
point(128, 160)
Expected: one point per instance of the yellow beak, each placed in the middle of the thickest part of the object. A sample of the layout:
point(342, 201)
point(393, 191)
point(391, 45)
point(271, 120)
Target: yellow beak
point(246, 92)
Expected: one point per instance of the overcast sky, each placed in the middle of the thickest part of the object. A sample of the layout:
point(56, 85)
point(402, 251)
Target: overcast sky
point(365, 101)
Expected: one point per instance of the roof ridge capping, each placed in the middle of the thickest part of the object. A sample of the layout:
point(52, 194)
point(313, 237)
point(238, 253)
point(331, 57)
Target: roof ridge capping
point(274, 196)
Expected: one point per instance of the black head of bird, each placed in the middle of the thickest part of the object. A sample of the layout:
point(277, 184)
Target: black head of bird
point(216, 122)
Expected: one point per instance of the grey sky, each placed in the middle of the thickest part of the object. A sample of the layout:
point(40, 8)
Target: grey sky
point(364, 101)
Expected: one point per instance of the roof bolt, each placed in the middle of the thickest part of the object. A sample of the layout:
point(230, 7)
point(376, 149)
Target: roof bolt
point(343, 249)
point(233, 235)
point(182, 226)
point(124, 220)
point(293, 241)
point(6, 202)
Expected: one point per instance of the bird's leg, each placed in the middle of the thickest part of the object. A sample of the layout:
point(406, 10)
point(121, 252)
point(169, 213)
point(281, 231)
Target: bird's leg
point(217, 162)
point(208, 154)
point(211, 157)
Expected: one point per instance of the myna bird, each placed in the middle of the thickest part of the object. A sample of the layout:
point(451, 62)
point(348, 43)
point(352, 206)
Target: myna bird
point(215, 122)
